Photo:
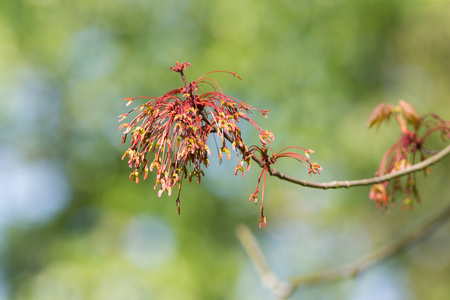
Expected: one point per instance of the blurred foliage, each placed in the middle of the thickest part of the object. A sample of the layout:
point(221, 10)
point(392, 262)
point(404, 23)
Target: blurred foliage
point(319, 66)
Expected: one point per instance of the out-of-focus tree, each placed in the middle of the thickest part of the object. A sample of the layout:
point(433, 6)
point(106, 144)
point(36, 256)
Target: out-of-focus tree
point(73, 228)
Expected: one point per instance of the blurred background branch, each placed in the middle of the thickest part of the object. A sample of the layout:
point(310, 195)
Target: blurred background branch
point(284, 290)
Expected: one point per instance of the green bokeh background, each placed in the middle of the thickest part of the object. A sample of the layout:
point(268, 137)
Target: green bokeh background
point(73, 227)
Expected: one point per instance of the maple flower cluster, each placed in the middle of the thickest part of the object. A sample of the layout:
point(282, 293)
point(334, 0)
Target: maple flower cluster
point(409, 148)
point(170, 133)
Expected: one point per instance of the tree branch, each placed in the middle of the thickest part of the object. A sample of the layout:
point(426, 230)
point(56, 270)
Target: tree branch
point(284, 290)
point(350, 183)
point(346, 183)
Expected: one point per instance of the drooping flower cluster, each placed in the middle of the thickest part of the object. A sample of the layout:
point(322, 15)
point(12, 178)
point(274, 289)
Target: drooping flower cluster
point(170, 132)
point(408, 150)
point(313, 168)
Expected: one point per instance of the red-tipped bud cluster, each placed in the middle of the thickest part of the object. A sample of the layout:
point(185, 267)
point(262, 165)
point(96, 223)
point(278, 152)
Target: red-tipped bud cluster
point(180, 67)
point(409, 148)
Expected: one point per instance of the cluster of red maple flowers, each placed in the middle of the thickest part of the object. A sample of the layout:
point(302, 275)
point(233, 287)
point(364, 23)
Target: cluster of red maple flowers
point(170, 134)
point(408, 150)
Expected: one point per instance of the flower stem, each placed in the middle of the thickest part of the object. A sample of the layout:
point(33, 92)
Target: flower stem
point(184, 79)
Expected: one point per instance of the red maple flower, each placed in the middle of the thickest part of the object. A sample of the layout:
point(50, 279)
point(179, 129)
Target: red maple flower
point(170, 133)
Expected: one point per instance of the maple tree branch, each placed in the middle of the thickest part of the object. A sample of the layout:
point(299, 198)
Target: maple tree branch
point(284, 290)
point(360, 182)
point(346, 183)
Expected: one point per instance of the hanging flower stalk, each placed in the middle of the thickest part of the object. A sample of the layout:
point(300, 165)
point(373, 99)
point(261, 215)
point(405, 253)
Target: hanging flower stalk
point(408, 150)
point(170, 132)
point(313, 168)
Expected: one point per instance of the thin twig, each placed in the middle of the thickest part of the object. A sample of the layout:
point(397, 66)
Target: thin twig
point(347, 183)
point(351, 270)
point(360, 182)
